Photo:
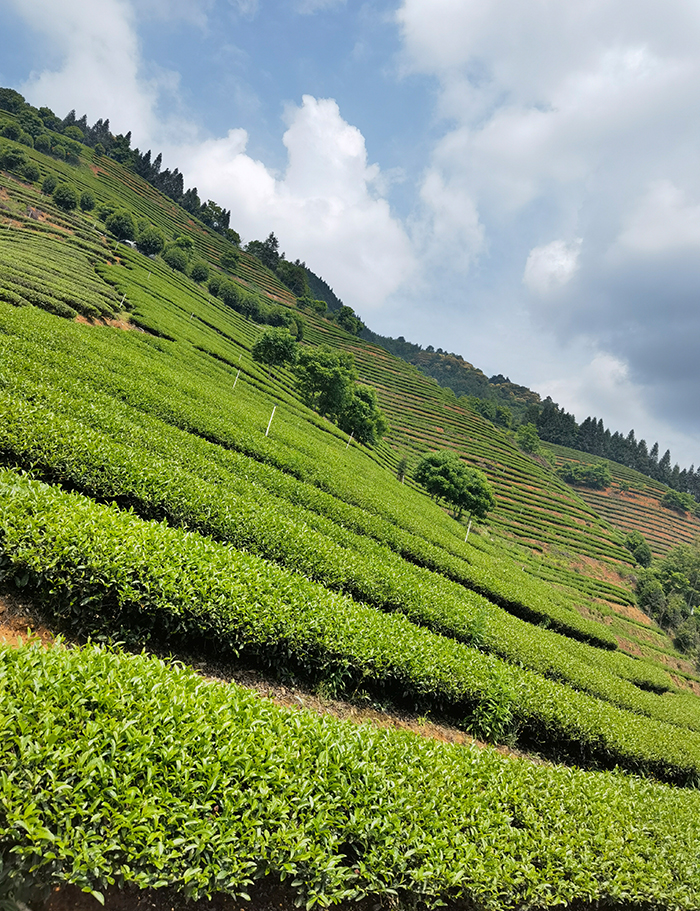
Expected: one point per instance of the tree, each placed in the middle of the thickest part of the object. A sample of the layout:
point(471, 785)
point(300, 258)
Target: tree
point(638, 547)
point(150, 241)
point(199, 271)
point(229, 259)
point(267, 251)
point(362, 416)
point(275, 347)
point(294, 277)
point(527, 438)
point(66, 197)
point(121, 224)
point(445, 476)
point(348, 320)
point(326, 379)
point(87, 201)
point(49, 184)
point(176, 258)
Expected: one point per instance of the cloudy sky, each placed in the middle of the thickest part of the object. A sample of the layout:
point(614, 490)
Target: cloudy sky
point(515, 182)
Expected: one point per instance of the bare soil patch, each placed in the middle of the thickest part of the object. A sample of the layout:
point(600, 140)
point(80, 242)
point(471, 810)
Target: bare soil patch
point(120, 322)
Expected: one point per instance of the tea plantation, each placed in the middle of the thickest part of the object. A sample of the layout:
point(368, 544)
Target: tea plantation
point(162, 493)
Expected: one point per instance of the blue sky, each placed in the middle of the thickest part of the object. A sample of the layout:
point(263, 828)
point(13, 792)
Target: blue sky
point(517, 183)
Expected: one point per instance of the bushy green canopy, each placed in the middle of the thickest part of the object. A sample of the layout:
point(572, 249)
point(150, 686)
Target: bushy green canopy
point(445, 476)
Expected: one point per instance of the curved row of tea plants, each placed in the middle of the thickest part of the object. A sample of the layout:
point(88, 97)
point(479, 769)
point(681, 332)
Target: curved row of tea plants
point(118, 769)
point(98, 569)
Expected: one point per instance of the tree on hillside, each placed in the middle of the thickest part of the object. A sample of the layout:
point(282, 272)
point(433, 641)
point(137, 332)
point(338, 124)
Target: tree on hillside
point(275, 347)
point(267, 251)
point(445, 476)
point(347, 319)
point(121, 223)
point(362, 416)
point(326, 378)
point(527, 438)
point(150, 241)
point(638, 547)
point(294, 277)
point(66, 197)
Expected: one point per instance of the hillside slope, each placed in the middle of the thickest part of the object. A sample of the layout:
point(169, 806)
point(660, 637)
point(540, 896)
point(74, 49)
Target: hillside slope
point(161, 488)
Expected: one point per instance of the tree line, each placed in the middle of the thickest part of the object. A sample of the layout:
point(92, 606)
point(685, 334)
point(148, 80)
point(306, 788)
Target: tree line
point(36, 123)
point(555, 425)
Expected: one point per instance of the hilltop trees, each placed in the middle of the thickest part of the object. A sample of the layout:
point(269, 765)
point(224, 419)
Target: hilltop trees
point(445, 476)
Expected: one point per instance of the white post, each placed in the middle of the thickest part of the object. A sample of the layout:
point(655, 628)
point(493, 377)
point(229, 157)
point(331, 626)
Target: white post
point(469, 528)
point(123, 298)
point(348, 442)
point(270, 421)
point(236, 380)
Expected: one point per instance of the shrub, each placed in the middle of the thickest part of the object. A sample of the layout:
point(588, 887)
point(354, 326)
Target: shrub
point(66, 197)
point(12, 159)
point(680, 502)
point(42, 143)
point(104, 212)
point(150, 241)
point(596, 476)
point(229, 259)
point(31, 172)
point(274, 347)
point(199, 271)
point(11, 131)
point(59, 151)
point(49, 184)
point(74, 132)
point(121, 224)
point(176, 258)
point(87, 201)
point(26, 139)
point(214, 284)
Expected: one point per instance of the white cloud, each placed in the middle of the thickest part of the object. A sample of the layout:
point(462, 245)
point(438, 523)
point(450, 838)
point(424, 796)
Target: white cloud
point(552, 266)
point(573, 120)
point(663, 221)
point(324, 208)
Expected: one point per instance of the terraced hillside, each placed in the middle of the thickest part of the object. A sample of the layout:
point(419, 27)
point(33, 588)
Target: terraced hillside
point(149, 494)
point(633, 501)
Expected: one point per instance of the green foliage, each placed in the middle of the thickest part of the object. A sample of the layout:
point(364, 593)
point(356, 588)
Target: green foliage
point(11, 101)
point(679, 502)
point(275, 347)
point(87, 201)
point(499, 415)
point(326, 379)
point(150, 241)
point(147, 751)
point(528, 439)
point(31, 172)
point(446, 477)
point(214, 284)
point(348, 320)
point(42, 143)
point(294, 277)
point(362, 416)
point(307, 303)
point(121, 223)
point(638, 547)
point(199, 271)
point(11, 130)
point(175, 257)
point(12, 159)
point(596, 475)
point(267, 251)
point(66, 197)
point(230, 258)
point(75, 133)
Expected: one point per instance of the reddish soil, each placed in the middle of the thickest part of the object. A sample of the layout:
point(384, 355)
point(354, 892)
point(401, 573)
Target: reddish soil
point(107, 321)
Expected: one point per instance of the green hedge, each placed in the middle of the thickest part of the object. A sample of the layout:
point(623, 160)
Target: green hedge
point(119, 769)
point(102, 571)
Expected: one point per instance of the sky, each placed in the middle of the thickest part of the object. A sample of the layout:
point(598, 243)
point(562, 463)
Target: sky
point(518, 183)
